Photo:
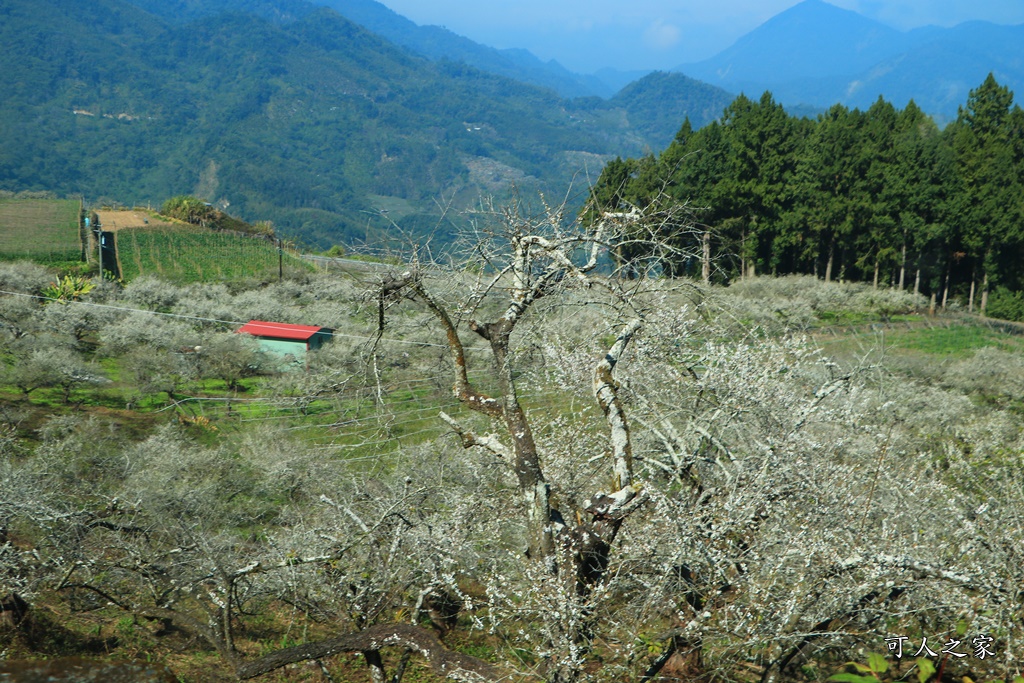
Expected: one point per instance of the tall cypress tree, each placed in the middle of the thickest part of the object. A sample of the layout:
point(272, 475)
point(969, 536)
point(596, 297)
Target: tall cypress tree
point(990, 206)
point(875, 210)
point(762, 141)
point(696, 169)
point(826, 187)
point(917, 186)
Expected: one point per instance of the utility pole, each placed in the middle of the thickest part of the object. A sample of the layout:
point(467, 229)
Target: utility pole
point(83, 228)
point(99, 244)
point(280, 260)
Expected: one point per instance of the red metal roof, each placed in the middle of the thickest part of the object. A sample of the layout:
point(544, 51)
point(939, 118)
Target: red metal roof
point(261, 328)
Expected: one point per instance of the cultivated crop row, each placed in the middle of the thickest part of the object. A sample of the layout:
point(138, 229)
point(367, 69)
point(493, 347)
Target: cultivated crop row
point(189, 255)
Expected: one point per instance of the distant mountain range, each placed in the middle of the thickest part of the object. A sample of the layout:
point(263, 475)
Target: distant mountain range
point(810, 56)
point(817, 54)
point(433, 42)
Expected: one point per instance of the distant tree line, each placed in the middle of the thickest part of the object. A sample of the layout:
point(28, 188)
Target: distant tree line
point(882, 196)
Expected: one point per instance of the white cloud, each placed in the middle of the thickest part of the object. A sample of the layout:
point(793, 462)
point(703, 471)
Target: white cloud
point(661, 35)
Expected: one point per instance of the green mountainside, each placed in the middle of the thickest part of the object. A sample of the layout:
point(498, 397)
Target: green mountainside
point(658, 103)
point(280, 111)
point(432, 42)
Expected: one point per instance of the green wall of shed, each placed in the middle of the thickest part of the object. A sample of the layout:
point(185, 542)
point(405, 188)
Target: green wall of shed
point(280, 347)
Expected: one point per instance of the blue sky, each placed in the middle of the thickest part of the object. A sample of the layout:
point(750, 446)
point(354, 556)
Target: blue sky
point(585, 35)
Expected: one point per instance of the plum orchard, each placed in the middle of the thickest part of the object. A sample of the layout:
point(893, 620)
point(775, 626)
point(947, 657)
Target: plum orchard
point(692, 495)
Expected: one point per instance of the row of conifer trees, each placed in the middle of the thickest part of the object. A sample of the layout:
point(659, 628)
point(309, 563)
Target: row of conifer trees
point(882, 195)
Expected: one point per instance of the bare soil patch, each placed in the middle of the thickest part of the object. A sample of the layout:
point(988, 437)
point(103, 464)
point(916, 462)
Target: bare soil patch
point(113, 221)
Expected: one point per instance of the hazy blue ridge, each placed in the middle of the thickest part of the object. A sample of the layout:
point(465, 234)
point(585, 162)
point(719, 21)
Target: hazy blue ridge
point(812, 39)
point(817, 54)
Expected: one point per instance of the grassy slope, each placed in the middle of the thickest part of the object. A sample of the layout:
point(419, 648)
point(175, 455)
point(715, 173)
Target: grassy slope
point(41, 229)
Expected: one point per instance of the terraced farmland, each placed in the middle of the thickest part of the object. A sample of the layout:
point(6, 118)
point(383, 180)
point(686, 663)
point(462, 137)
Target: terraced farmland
point(40, 229)
point(185, 254)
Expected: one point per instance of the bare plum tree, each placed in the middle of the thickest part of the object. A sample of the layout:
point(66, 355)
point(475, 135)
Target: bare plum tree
point(642, 486)
point(521, 263)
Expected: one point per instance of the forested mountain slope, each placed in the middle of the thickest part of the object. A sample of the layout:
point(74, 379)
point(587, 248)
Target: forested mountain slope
point(660, 102)
point(433, 42)
point(284, 111)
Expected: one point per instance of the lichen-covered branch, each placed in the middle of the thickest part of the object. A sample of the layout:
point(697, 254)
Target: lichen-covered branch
point(606, 391)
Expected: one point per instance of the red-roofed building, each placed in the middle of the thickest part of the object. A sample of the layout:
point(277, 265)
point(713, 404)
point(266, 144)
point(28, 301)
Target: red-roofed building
point(284, 339)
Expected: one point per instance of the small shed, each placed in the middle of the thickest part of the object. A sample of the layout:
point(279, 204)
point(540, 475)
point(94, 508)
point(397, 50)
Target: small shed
point(285, 339)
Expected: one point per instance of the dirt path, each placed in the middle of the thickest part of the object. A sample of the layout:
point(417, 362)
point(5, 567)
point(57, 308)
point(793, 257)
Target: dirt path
point(112, 221)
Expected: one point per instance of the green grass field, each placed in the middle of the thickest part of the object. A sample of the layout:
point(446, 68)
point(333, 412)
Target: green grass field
point(185, 254)
point(958, 341)
point(40, 229)
point(941, 339)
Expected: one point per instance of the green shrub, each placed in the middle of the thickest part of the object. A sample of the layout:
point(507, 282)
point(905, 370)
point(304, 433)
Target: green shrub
point(188, 209)
point(68, 288)
point(1006, 305)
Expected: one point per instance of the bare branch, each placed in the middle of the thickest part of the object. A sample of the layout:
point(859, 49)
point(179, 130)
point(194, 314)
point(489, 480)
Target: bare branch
point(452, 665)
point(469, 439)
point(463, 390)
